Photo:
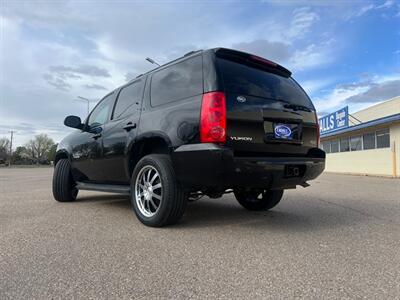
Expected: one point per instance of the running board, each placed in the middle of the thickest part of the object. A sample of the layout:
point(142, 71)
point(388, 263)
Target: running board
point(109, 188)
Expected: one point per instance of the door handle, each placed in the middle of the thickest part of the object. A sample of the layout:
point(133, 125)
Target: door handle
point(129, 126)
point(96, 136)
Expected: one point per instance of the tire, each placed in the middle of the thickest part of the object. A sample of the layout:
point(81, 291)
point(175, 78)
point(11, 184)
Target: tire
point(159, 202)
point(257, 199)
point(64, 189)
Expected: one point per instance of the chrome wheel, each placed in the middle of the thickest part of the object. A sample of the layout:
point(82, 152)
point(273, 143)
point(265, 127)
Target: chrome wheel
point(148, 191)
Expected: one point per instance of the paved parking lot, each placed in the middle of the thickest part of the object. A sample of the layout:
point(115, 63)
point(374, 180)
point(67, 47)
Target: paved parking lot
point(339, 238)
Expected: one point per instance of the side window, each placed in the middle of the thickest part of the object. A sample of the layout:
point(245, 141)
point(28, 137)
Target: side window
point(383, 138)
point(355, 143)
point(99, 115)
point(334, 146)
point(369, 141)
point(130, 97)
point(179, 81)
point(326, 146)
point(344, 145)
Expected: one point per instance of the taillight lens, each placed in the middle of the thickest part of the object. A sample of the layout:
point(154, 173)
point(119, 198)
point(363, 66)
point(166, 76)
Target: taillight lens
point(213, 118)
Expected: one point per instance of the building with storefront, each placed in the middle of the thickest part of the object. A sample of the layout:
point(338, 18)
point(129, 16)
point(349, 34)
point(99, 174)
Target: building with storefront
point(366, 142)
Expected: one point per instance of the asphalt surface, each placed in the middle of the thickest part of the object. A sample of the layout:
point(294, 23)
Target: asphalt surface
point(339, 238)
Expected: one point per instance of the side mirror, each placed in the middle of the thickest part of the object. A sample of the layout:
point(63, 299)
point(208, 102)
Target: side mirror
point(74, 122)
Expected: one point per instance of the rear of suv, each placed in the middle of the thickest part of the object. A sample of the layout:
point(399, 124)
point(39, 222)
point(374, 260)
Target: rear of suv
point(211, 122)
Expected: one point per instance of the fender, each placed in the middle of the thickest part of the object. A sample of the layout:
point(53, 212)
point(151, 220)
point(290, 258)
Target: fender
point(61, 153)
point(140, 138)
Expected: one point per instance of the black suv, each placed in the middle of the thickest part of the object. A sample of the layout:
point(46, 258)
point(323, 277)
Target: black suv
point(208, 123)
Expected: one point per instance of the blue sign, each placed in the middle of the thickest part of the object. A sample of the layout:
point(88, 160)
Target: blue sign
point(337, 120)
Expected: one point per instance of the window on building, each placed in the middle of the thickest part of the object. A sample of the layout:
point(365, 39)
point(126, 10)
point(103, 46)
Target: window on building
point(355, 143)
point(326, 146)
point(369, 141)
point(344, 145)
point(383, 138)
point(334, 146)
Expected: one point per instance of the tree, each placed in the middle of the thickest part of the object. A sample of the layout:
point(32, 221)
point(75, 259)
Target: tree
point(20, 156)
point(52, 153)
point(4, 148)
point(4, 145)
point(39, 147)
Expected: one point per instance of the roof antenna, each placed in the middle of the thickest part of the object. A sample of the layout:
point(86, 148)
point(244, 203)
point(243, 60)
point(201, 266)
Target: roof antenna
point(152, 61)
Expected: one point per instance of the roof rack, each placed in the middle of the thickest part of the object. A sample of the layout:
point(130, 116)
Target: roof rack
point(191, 52)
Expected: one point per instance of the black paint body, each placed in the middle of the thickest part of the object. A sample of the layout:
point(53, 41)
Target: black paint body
point(108, 153)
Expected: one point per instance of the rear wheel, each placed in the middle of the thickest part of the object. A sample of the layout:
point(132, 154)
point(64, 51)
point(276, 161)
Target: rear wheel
point(157, 198)
point(258, 199)
point(64, 189)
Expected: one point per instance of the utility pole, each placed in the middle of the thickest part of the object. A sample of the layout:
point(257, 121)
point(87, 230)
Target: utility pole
point(86, 100)
point(11, 142)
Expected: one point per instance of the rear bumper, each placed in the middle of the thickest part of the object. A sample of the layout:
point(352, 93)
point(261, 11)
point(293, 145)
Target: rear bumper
point(210, 165)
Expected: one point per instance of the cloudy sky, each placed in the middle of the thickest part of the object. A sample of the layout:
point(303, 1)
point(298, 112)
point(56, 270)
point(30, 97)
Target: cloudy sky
point(341, 52)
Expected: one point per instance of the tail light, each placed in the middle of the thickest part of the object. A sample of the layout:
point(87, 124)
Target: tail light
point(213, 118)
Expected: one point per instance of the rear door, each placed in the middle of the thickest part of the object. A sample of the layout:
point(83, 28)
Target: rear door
point(268, 113)
point(121, 130)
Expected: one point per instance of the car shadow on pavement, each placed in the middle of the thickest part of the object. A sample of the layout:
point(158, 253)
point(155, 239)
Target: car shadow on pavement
point(285, 217)
point(306, 216)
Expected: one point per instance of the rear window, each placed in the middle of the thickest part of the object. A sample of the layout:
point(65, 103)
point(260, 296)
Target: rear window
point(179, 81)
point(245, 80)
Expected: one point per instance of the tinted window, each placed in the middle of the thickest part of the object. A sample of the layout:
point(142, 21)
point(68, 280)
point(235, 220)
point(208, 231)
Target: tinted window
point(129, 99)
point(326, 146)
point(179, 81)
point(355, 142)
point(246, 80)
point(383, 138)
point(99, 115)
point(344, 145)
point(335, 146)
point(369, 141)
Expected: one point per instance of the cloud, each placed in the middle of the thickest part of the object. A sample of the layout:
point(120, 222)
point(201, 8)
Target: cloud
point(95, 87)
point(314, 85)
point(303, 19)
point(377, 92)
point(389, 4)
point(314, 3)
point(314, 55)
point(57, 82)
point(59, 76)
point(79, 70)
point(371, 90)
point(275, 51)
point(386, 4)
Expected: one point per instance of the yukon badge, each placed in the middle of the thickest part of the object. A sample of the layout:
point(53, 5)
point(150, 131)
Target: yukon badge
point(241, 99)
point(241, 138)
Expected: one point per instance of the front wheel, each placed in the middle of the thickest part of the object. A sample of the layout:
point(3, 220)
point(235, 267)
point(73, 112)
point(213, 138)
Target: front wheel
point(157, 198)
point(258, 199)
point(64, 189)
